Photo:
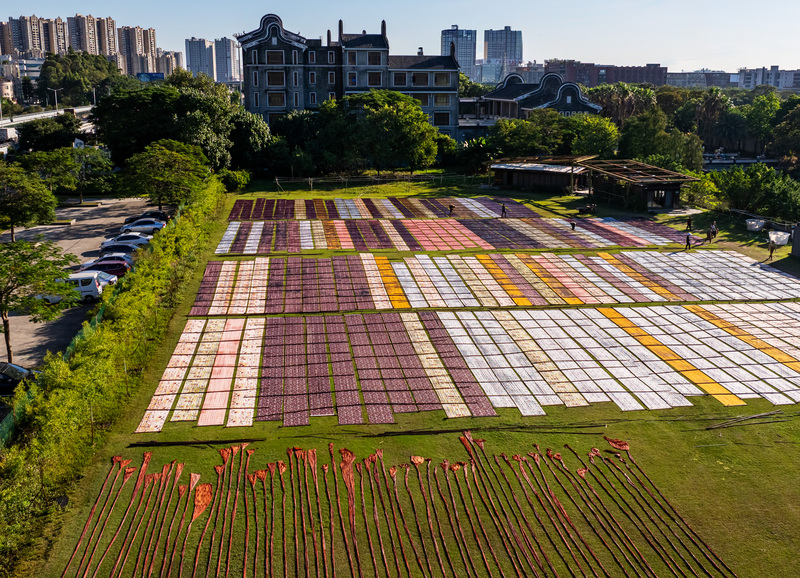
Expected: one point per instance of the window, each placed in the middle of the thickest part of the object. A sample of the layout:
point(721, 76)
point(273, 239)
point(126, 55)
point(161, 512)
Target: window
point(374, 79)
point(352, 79)
point(441, 100)
point(276, 99)
point(312, 57)
point(569, 100)
point(255, 100)
point(331, 78)
point(331, 57)
point(295, 78)
point(296, 99)
point(441, 118)
point(255, 78)
point(294, 56)
point(276, 79)
point(274, 56)
point(254, 57)
point(351, 58)
point(419, 79)
point(441, 79)
point(374, 58)
point(312, 77)
point(422, 98)
point(331, 96)
point(312, 98)
point(399, 79)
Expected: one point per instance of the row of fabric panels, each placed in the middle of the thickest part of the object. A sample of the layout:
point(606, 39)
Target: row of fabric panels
point(278, 285)
point(231, 372)
point(262, 237)
point(379, 208)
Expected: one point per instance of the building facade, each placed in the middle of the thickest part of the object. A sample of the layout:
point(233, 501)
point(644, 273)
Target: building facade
point(284, 71)
point(201, 57)
point(465, 42)
point(168, 61)
point(137, 50)
point(590, 74)
point(228, 62)
point(749, 78)
point(703, 79)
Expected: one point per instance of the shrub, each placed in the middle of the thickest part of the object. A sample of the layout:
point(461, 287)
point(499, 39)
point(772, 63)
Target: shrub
point(77, 398)
point(234, 180)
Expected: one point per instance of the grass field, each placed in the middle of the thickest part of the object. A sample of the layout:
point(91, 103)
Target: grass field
point(736, 486)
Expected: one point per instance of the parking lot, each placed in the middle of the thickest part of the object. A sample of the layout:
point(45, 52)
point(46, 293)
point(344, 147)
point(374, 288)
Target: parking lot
point(91, 226)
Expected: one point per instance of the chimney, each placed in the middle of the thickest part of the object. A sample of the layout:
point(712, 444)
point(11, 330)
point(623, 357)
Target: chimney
point(341, 30)
point(364, 32)
point(383, 28)
point(329, 36)
point(419, 52)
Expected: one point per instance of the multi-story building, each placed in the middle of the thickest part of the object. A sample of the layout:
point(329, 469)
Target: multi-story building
point(284, 71)
point(106, 37)
point(168, 62)
point(590, 74)
point(83, 33)
point(201, 57)
point(505, 44)
point(703, 79)
point(55, 34)
point(6, 39)
point(749, 78)
point(465, 43)
point(227, 61)
point(137, 50)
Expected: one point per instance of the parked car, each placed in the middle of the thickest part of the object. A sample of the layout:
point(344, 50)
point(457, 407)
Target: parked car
point(11, 375)
point(138, 239)
point(110, 257)
point(149, 226)
point(118, 268)
point(89, 284)
point(118, 248)
point(158, 215)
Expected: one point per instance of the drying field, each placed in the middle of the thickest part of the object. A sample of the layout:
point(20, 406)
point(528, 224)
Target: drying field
point(390, 325)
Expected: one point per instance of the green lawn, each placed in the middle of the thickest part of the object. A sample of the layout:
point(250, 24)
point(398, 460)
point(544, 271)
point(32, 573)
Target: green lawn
point(736, 486)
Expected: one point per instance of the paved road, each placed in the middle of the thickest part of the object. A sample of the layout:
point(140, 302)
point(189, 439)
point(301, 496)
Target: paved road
point(30, 341)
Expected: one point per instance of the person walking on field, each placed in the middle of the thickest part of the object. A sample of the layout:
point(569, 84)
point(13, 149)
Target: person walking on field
point(688, 241)
point(709, 235)
point(772, 246)
point(502, 209)
point(451, 207)
point(714, 230)
point(689, 223)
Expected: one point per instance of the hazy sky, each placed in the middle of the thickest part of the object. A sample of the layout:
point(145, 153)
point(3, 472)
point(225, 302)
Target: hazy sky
point(680, 34)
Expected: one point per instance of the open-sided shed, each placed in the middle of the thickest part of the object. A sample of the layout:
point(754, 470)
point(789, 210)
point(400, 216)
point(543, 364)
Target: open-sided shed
point(630, 182)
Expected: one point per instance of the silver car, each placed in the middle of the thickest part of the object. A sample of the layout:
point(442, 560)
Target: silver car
point(149, 226)
point(138, 239)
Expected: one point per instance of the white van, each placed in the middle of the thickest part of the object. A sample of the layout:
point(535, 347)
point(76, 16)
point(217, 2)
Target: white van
point(89, 284)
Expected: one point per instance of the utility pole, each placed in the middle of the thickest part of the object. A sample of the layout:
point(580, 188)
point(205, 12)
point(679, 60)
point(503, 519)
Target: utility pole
point(55, 92)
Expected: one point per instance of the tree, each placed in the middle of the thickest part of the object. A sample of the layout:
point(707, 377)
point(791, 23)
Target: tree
point(56, 168)
point(542, 133)
point(250, 138)
point(89, 166)
point(24, 200)
point(710, 108)
point(760, 117)
point(28, 88)
point(75, 74)
point(786, 140)
point(594, 135)
point(649, 137)
point(621, 101)
point(467, 88)
point(166, 172)
point(30, 269)
point(392, 129)
point(47, 134)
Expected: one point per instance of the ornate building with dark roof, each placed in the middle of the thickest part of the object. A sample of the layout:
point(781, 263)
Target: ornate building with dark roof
point(284, 71)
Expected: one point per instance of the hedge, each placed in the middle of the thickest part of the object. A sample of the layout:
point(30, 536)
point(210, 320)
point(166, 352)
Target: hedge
point(79, 396)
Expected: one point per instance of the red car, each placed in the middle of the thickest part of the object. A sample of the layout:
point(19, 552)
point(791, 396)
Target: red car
point(118, 268)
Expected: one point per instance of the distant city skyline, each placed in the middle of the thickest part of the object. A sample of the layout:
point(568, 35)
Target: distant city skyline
point(679, 34)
